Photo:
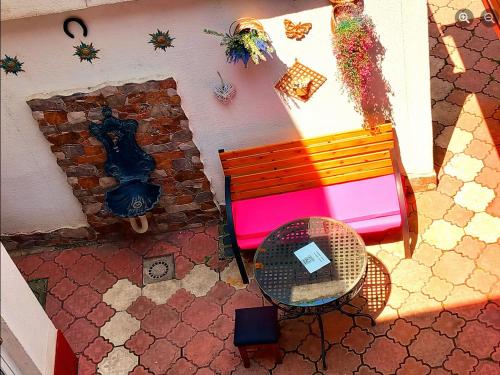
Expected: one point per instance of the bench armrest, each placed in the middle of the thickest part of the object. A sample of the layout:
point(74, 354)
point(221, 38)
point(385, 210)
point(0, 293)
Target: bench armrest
point(402, 206)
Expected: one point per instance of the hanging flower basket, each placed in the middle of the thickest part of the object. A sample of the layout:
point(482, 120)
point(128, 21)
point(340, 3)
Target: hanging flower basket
point(245, 40)
point(353, 37)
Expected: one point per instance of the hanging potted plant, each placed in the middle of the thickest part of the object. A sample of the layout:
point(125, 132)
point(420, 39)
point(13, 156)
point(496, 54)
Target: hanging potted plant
point(353, 37)
point(245, 40)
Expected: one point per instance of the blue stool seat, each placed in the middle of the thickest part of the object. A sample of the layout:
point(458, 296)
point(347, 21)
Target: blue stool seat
point(255, 326)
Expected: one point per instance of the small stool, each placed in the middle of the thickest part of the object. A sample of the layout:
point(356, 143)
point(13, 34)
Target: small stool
point(255, 329)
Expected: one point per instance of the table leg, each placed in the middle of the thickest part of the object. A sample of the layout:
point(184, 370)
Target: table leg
point(322, 333)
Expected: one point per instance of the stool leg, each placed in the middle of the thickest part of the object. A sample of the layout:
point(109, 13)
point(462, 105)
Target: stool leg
point(244, 357)
point(277, 353)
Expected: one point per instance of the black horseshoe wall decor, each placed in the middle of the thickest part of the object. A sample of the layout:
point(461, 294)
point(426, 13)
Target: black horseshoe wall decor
point(78, 21)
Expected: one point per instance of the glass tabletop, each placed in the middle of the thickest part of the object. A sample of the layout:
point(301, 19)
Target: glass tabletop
point(283, 278)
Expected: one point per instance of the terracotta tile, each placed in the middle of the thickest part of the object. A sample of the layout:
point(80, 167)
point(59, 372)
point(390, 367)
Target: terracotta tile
point(444, 112)
point(103, 282)
point(181, 300)
point(160, 321)
point(459, 215)
point(491, 316)
point(139, 342)
point(62, 320)
point(141, 307)
point(86, 366)
point(431, 347)
point(310, 348)
point(448, 324)
point(201, 313)
point(468, 121)
point(181, 238)
point(182, 366)
point(460, 363)
point(437, 288)
point(241, 299)
point(470, 247)
point(82, 301)
point(410, 275)
point(488, 177)
point(478, 149)
point(182, 266)
point(397, 297)
point(181, 334)
point(101, 314)
point(457, 96)
point(357, 340)
point(486, 368)
point(50, 270)
point(292, 333)
point(85, 269)
point(478, 339)
point(67, 258)
point(433, 204)
point(496, 354)
point(411, 367)
point(225, 363)
point(140, 370)
point(440, 88)
point(123, 263)
point(254, 369)
point(80, 334)
point(160, 356)
point(465, 302)
point(492, 50)
point(203, 348)
point(98, 349)
point(427, 254)
point(403, 332)
point(200, 246)
point(298, 363)
point(453, 267)
point(28, 264)
point(64, 289)
point(336, 325)
point(52, 305)
point(385, 355)
point(222, 327)
point(489, 259)
point(481, 280)
point(472, 80)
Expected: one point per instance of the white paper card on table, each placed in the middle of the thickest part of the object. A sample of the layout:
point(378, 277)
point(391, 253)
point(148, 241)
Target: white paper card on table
point(312, 257)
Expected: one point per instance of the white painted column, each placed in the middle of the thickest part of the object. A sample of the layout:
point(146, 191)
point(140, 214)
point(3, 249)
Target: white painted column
point(29, 337)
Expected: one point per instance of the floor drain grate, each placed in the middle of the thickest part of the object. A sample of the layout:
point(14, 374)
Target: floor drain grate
point(158, 269)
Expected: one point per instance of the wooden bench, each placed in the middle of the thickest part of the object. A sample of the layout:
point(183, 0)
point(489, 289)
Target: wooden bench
point(351, 176)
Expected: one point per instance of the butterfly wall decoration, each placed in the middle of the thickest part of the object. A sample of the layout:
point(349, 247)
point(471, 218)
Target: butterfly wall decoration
point(296, 31)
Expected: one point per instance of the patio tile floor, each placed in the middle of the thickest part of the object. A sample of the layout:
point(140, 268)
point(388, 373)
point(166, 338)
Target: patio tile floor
point(437, 313)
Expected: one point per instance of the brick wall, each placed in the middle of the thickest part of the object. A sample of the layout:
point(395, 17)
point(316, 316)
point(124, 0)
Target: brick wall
point(163, 132)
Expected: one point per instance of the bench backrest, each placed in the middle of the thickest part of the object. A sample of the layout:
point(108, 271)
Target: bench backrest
point(308, 163)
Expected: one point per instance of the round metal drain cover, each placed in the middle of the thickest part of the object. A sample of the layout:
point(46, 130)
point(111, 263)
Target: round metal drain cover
point(158, 269)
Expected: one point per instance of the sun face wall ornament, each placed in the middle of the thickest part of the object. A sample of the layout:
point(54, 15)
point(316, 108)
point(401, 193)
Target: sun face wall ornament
point(296, 31)
point(161, 40)
point(11, 65)
point(86, 52)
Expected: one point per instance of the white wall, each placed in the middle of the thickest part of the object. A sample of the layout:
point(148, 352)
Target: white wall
point(35, 195)
point(29, 337)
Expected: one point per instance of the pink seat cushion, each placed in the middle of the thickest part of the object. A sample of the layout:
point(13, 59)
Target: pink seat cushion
point(369, 205)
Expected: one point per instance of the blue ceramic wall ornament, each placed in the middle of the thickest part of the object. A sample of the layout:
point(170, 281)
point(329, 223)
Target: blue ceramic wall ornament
point(11, 65)
point(129, 164)
point(86, 52)
point(161, 40)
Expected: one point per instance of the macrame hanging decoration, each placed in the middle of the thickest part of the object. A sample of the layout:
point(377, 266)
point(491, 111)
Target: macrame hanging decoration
point(225, 91)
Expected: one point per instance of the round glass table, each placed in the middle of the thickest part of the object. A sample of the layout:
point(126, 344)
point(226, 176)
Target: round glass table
point(286, 282)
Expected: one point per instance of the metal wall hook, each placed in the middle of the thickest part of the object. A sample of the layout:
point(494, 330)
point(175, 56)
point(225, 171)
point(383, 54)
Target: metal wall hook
point(78, 21)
